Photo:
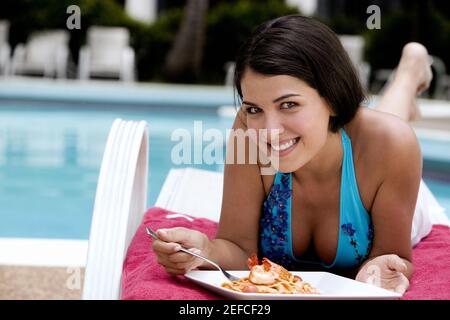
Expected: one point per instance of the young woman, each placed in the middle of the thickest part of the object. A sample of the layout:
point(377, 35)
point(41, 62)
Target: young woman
point(345, 191)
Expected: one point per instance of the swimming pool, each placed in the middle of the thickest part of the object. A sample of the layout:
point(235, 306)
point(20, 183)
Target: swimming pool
point(50, 154)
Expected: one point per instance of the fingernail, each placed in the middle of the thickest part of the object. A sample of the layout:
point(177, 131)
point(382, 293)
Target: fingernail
point(161, 233)
point(177, 247)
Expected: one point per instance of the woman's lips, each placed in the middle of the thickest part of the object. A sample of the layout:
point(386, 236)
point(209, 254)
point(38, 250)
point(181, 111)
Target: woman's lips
point(283, 148)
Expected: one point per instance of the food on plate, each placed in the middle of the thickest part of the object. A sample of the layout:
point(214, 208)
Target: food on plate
point(269, 277)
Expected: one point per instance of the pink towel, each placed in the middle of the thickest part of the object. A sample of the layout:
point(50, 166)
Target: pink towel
point(143, 278)
point(431, 259)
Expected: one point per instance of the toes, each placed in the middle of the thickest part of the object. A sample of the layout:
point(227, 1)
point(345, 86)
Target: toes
point(416, 62)
point(415, 50)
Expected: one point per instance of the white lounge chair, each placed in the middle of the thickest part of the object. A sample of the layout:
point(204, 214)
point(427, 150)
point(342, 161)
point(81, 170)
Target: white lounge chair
point(182, 187)
point(46, 53)
point(354, 45)
point(120, 203)
point(5, 49)
point(229, 68)
point(121, 200)
point(107, 54)
point(442, 89)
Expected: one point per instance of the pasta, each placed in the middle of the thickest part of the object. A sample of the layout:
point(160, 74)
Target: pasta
point(270, 277)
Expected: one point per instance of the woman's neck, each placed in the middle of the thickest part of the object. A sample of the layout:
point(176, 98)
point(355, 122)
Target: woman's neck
point(326, 164)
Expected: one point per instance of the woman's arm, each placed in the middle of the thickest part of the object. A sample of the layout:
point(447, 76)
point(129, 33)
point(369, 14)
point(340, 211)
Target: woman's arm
point(243, 195)
point(237, 236)
point(393, 208)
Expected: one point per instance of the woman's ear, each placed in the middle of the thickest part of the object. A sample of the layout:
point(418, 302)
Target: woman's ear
point(332, 113)
point(330, 109)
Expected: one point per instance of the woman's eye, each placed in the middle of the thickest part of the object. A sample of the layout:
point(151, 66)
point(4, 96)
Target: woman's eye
point(288, 105)
point(252, 110)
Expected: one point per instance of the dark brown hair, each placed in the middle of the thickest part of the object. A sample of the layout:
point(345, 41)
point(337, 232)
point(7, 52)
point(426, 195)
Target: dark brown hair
point(307, 49)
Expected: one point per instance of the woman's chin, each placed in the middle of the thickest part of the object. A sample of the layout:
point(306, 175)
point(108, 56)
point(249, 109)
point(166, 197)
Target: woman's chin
point(287, 163)
point(286, 166)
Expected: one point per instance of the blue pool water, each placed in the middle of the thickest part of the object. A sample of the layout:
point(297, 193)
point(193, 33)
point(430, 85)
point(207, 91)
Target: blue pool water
point(50, 158)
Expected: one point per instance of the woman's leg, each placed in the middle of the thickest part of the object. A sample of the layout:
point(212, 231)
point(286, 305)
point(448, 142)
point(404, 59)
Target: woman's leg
point(412, 76)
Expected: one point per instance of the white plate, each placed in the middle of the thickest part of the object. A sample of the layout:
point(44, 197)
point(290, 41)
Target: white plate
point(329, 285)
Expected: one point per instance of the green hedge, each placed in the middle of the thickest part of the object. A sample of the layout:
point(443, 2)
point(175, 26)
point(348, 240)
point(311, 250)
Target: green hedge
point(228, 24)
point(397, 29)
point(152, 43)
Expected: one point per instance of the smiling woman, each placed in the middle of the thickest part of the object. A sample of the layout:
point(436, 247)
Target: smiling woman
point(343, 196)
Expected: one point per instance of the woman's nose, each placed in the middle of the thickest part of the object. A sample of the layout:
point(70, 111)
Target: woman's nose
point(273, 121)
point(274, 127)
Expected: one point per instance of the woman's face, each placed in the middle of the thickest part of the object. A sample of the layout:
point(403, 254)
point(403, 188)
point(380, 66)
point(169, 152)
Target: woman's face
point(296, 110)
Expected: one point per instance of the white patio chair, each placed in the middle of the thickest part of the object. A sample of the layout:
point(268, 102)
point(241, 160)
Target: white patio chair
point(5, 49)
point(229, 68)
point(107, 54)
point(442, 89)
point(120, 203)
point(182, 187)
point(46, 53)
point(354, 46)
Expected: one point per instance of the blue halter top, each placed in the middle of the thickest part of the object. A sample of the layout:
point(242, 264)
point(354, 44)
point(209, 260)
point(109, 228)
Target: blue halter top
point(355, 231)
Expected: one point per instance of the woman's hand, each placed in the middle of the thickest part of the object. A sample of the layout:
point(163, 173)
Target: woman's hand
point(167, 250)
point(386, 271)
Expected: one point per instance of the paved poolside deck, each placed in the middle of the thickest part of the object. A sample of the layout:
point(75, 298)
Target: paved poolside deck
point(38, 283)
point(38, 269)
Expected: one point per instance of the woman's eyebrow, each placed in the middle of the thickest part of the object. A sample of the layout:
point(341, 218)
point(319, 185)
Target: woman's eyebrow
point(249, 103)
point(286, 96)
point(274, 101)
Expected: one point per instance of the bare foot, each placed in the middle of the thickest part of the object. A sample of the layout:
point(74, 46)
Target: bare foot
point(415, 67)
point(415, 63)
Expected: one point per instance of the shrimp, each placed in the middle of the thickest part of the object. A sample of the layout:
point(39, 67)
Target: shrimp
point(269, 277)
point(268, 271)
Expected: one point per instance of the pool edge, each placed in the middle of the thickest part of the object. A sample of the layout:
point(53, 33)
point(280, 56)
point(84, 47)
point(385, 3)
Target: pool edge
point(43, 252)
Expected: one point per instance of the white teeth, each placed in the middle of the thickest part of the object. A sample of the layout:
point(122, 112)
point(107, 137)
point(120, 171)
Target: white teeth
point(284, 146)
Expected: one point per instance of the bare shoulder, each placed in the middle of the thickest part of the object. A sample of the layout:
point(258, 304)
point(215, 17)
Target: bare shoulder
point(383, 146)
point(381, 136)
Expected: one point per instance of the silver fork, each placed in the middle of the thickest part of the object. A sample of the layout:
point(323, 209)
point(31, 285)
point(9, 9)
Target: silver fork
point(226, 274)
